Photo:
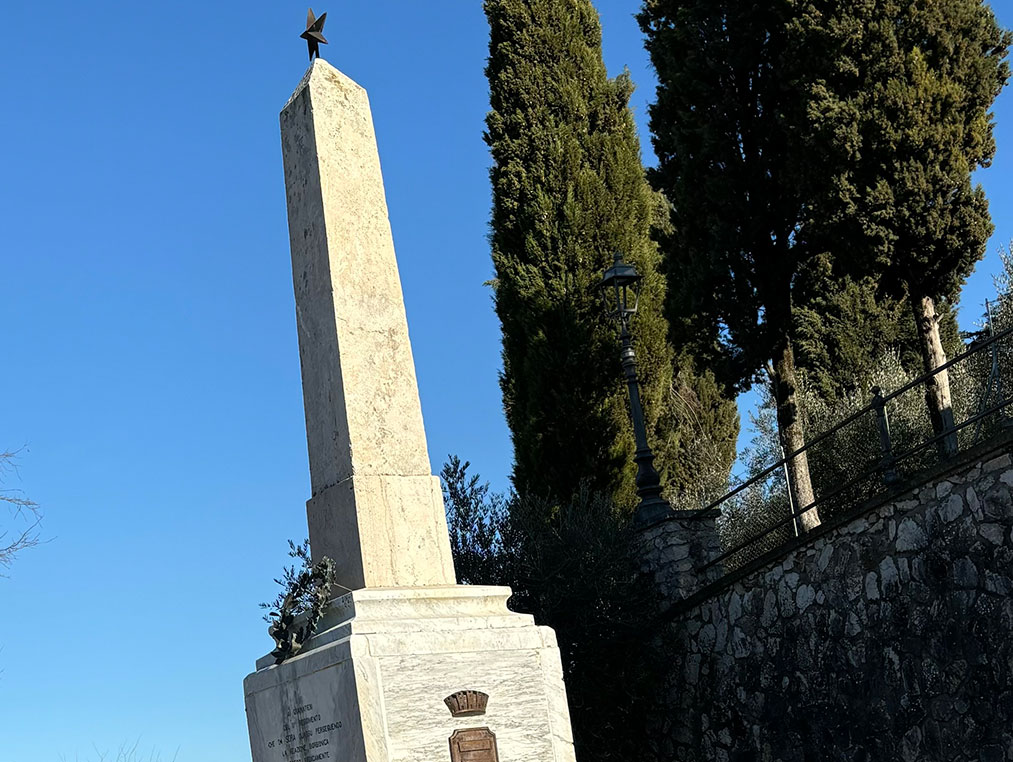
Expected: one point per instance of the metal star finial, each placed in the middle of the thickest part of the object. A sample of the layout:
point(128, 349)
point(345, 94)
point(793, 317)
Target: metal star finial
point(314, 33)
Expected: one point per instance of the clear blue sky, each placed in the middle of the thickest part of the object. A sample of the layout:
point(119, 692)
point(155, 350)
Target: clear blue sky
point(149, 343)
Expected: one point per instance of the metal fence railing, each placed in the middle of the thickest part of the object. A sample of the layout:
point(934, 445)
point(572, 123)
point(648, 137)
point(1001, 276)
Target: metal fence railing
point(884, 443)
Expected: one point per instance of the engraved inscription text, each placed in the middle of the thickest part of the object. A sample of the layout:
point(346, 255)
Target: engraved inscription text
point(473, 745)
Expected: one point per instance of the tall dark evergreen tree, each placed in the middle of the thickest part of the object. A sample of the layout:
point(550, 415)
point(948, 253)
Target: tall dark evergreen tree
point(791, 133)
point(728, 125)
point(568, 191)
point(916, 102)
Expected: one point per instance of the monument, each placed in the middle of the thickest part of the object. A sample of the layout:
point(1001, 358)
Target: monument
point(405, 665)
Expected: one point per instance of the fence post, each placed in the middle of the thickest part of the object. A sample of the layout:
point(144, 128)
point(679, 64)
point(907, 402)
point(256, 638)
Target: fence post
point(796, 520)
point(995, 379)
point(886, 461)
point(674, 549)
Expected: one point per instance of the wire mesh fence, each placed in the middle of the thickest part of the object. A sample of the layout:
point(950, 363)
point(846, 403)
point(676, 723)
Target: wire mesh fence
point(884, 439)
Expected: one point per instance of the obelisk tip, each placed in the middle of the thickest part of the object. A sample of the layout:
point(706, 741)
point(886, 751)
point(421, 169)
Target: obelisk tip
point(321, 70)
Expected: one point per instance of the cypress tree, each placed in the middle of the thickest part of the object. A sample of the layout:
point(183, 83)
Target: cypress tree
point(924, 79)
point(727, 125)
point(791, 134)
point(569, 190)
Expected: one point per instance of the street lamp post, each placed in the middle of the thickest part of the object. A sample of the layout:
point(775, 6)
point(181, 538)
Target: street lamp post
point(620, 287)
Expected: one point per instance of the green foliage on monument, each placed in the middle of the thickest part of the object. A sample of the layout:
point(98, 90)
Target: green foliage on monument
point(568, 191)
point(298, 608)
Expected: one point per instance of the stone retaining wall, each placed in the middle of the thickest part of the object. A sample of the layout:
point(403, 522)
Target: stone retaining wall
point(890, 637)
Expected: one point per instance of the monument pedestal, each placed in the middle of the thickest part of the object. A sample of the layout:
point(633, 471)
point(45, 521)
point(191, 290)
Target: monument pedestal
point(370, 685)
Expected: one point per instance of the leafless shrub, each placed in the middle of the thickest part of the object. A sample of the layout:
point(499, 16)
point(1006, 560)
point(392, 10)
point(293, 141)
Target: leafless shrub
point(129, 751)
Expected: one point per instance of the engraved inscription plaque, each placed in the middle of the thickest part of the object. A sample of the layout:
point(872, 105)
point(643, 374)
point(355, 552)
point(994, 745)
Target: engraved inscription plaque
point(473, 745)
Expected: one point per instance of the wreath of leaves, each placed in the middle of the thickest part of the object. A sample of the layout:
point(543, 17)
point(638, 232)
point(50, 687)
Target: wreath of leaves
point(304, 596)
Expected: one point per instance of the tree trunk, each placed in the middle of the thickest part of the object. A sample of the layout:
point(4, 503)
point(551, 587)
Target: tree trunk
point(937, 387)
point(792, 436)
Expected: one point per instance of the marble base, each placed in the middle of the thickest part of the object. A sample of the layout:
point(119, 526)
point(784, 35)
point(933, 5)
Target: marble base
point(370, 686)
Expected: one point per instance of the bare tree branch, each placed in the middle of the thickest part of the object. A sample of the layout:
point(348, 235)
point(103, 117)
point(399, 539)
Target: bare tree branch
point(21, 509)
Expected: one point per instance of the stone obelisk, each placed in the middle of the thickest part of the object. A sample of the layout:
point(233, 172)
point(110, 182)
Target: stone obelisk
point(376, 509)
point(406, 666)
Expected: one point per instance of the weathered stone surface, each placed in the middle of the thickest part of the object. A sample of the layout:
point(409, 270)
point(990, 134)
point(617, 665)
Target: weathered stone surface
point(872, 586)
point(363, 417)
point(952, 508)
point(804, 597)
point(889, 576)
point(674, 550)
point(370, 686)
point(381, 527)
point(998, 463)
point(886, 639)
point(910, 536)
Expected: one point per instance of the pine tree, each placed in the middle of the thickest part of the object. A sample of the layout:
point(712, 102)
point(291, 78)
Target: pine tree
point(568, 191)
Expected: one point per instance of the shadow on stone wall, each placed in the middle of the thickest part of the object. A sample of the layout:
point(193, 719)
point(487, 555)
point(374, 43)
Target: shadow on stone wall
point(889, 637)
